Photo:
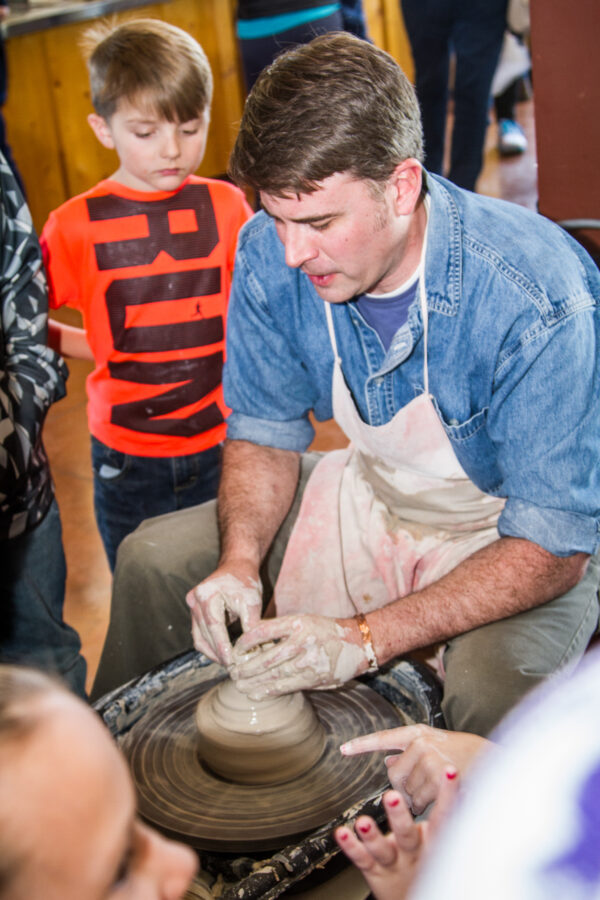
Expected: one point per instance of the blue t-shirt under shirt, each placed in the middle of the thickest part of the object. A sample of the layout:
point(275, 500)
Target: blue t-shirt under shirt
point(386, 313)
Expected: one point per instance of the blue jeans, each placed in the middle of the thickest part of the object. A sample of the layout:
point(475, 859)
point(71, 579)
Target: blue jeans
point(129, 489)
point(32, 593)
point(474, 30)
point(258, 53)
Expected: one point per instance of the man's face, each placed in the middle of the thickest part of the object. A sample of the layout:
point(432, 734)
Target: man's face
point(154, 155)
point(345, 237)
point(73, 821)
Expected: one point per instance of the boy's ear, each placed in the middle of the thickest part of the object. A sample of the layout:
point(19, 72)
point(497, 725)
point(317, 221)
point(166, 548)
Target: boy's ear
point(101, 129)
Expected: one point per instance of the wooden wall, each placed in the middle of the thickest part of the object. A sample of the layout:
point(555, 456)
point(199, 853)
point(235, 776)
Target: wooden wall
point(567, 112)
point(49, 99)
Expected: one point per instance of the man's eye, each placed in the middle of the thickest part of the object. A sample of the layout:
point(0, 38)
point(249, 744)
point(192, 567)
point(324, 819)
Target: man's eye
point(143, 134)
point(321, 226)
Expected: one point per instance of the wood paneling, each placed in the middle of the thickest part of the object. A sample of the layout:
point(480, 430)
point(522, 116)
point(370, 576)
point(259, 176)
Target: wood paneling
point(566, 77)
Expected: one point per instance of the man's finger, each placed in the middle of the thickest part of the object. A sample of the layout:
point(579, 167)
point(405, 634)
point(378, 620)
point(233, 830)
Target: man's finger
point(265, 631)
point(219, 638)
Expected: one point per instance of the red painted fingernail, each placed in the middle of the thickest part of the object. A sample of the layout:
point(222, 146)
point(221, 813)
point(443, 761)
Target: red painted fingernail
point(394, 801)
point(451, 775)
point(343, 835)
point(364, 828)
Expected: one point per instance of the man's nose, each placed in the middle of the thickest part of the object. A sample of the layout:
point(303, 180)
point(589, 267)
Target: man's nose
point(299, 246)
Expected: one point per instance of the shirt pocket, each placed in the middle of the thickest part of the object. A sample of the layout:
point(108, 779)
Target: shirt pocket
point(475, 450)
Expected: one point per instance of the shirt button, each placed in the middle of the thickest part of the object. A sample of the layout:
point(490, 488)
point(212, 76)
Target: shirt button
point(454, 421)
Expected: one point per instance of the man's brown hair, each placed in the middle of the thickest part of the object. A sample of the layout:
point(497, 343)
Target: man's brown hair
point(151, 62)
point(337, 104)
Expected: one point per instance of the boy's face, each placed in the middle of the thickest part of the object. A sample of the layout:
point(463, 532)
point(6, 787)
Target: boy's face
point(154, 155)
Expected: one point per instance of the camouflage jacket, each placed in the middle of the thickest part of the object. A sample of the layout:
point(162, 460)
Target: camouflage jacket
point(32, 376)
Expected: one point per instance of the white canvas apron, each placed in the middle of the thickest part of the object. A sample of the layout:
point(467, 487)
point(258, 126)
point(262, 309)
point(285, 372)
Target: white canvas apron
point(388, 515)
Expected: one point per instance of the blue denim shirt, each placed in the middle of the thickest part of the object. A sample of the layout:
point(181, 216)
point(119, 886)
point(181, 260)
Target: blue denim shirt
point(513, 349)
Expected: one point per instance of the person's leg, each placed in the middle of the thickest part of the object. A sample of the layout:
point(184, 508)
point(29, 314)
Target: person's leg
point(511, 137)
point(130, 489)
point(196, 478)
point(258, 53)
point(156, 566)
point(428, 24)
point(32, 592)
point(477, 39)
point(504, 103)
point(489, 669)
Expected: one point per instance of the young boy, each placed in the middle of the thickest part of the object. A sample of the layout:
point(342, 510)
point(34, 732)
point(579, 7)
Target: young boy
point(147, 257)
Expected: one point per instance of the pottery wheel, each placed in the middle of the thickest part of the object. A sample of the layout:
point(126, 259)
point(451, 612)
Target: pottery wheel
point(181, 797)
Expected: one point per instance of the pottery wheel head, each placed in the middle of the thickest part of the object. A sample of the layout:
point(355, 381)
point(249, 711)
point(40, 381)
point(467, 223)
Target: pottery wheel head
point(246, 741)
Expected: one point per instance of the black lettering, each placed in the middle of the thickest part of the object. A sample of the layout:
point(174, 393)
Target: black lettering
point(143, 251)
point(200, 376)
point(153, 289)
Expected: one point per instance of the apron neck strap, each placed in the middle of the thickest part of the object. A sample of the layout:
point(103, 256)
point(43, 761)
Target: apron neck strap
point(423, 297)
point(331, 330)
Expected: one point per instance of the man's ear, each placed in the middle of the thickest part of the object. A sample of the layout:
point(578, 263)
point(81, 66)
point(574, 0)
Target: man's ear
point(407, 181)
point(101, 129)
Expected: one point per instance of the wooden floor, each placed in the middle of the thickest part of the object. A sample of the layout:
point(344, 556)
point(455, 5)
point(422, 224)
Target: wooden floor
point(67, 440)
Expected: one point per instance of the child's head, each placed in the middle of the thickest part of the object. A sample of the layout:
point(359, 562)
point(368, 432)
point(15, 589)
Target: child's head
point(151, 87)
point(150, 63)
point(68, 823)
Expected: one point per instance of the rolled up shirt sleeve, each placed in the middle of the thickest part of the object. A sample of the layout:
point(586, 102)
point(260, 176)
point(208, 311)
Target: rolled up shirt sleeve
point(545, 423)
point(267, 383)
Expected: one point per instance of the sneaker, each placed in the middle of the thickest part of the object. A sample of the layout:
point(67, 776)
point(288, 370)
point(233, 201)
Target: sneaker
point(511, 139)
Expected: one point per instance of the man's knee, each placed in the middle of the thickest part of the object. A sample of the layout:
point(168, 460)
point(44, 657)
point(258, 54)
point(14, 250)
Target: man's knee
point(176, 550)
point(478, 694)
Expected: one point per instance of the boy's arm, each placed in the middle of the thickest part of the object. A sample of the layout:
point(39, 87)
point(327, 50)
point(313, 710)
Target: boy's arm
point(68, 340)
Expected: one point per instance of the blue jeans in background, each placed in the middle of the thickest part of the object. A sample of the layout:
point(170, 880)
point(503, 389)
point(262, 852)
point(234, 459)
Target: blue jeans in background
point(32, 593)
point(473, 30)
point(129, 489)
point(258, 53)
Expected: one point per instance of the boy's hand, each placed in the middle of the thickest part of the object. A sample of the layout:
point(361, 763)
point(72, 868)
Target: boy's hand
point(427, 753)
point(229, 594)
point(390, 862)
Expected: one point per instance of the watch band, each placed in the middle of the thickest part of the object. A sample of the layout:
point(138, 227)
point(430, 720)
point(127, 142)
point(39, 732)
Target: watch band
point(367, 639)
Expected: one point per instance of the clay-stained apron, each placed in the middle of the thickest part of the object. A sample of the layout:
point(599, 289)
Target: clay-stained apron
point(388, 515)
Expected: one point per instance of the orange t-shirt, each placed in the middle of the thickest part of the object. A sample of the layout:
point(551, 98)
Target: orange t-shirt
point(150, 273)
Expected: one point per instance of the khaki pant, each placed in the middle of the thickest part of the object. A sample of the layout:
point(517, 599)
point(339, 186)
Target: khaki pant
point(488, 669)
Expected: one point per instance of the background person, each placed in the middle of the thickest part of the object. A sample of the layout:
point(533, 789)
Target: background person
point(466, 507)
point(472, 31)
point(146, 256)
point(32, 378)
point(526, 823)
point(68, 823)
point(4, 145)
point(267, 27)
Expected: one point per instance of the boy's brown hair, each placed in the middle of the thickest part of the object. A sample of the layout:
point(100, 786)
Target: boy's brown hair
point(337, 104)
point(150, 62)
